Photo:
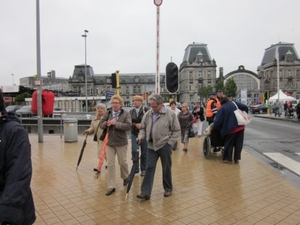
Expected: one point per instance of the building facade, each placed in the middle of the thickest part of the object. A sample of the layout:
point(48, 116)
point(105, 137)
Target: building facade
point(197, 69)
point(289, 70)
point(245, 80)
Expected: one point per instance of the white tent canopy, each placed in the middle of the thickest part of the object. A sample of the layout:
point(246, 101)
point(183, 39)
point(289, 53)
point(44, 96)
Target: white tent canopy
point(282, 97)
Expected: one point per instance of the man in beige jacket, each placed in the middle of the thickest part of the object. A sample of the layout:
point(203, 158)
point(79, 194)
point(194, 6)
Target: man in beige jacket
point(161, 128)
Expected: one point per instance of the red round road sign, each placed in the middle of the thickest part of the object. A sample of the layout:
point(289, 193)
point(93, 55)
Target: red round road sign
point(158, 2)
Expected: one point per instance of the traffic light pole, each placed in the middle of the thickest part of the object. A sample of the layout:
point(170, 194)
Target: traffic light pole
point(118, 82)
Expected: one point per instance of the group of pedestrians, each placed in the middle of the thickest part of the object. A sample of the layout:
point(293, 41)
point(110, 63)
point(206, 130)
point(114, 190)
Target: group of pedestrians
point(220, 115)
point(287, 107)
point(155, 131)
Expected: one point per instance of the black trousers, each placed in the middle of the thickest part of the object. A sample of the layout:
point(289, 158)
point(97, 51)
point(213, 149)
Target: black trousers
point(235, 141)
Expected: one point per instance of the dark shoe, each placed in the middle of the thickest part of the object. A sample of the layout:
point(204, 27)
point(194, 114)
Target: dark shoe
point(110, 191)
point(142, 196)
point(95, 169)
point(167, 193)
point(236, 161)
point(227, 161)
point(126, 181)
point(184, 149)
point(137, 171)
point(143, 173)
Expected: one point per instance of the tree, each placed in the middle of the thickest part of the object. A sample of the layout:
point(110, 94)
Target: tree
point(230, 88)
point(21, 97)
point(220, 84)
point(204, 92)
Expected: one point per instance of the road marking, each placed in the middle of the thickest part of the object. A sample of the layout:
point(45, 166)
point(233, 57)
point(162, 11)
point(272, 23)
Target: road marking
point(285, 161)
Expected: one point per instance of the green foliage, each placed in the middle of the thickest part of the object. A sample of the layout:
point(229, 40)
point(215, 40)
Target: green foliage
point(21, 97)
point(230, 88)
point(220, 84)
point(204, 92)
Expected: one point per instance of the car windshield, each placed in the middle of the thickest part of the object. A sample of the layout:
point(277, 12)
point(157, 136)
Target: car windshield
point(26, 107)
point(10, 107)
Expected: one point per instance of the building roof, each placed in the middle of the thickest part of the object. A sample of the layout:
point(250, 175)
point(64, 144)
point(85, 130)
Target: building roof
point(283, 49)
point(192, 50)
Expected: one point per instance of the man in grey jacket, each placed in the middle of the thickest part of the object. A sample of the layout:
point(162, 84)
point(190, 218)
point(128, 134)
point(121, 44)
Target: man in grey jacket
point(161, 128)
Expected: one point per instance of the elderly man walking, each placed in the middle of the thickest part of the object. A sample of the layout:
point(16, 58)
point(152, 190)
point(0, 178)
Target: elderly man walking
point(161, 128)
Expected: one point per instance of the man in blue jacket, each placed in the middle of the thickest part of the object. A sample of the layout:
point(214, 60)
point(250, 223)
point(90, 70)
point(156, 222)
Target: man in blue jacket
point(226, 122)
point(16, 202)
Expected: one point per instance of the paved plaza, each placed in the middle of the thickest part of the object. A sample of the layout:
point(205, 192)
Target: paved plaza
point(206, 191)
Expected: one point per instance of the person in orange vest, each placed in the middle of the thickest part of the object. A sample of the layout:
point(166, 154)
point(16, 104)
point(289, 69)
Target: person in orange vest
point(219, 96)
point(211, 108)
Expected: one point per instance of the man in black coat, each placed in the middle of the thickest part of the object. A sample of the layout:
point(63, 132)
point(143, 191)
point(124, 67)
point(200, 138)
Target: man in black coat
point(137, 114)
point(16, 202)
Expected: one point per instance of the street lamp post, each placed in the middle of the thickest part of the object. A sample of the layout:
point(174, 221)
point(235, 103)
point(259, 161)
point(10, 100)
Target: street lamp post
point(13, 81)
point(85, 70)
point(39, 76)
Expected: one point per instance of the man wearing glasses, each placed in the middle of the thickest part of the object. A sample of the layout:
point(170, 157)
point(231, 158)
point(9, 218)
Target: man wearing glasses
point(161, 129)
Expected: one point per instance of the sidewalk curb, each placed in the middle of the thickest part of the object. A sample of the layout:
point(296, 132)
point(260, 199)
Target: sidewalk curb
point(277, 118)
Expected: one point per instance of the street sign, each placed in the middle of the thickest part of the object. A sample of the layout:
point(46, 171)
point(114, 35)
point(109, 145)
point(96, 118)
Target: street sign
point(10, 89)
point(108, 95)
point(158, 2)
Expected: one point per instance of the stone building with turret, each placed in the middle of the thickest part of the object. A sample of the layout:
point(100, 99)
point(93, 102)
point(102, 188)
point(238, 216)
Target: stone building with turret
point(289, 70)
point(197, 69)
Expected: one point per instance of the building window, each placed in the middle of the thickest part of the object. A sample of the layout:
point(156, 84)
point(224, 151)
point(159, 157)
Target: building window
point(191, 75)
point(298, 73)
point(289, 73)
point(136, 89)
point(208, 74)
point(200, 74)
point(127, 90)
point(136, 80)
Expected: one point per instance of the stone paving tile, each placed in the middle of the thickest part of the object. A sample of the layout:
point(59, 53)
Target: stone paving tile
point(206, 191)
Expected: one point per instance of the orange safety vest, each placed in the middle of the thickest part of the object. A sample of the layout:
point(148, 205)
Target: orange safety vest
point(208, 110)
point(218, 104)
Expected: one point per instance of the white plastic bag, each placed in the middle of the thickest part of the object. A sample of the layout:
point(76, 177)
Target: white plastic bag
point(241, 116)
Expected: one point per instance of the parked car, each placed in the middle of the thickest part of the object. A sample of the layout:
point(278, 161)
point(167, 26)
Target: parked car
point(261, 108)
point(12, 108)
point(25, 111)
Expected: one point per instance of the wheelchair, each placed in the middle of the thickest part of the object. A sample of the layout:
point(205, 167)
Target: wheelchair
point(213, 143)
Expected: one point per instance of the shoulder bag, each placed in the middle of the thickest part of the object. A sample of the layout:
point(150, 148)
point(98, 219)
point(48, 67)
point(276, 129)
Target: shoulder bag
point(241, 116)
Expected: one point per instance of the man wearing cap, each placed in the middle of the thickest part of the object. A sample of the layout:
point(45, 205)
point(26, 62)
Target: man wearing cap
point(16, 202)
point(211, 108)
point(137, 114)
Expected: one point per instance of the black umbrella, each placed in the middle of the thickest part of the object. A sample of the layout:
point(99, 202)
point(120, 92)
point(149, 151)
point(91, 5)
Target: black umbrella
point(135, 159)
point(81, 152)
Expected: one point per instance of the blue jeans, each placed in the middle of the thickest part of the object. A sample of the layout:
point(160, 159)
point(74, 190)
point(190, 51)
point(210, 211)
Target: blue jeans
point(144, 151)
point(165, 154)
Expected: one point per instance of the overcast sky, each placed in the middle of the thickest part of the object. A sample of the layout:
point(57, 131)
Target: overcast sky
point(122, 33)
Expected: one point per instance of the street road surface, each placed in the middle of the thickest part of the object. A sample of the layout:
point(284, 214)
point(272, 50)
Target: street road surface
point(276, 143)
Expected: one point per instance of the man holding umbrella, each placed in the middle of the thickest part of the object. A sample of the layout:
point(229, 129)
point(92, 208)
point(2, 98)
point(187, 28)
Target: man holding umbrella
point(137, 114)
point(161, 128)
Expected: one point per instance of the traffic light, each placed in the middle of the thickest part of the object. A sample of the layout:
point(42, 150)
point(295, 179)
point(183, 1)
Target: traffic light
point(113, 80)
point(172, 79)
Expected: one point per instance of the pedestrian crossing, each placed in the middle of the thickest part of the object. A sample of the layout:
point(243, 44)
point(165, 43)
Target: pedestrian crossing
point(285, 161)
